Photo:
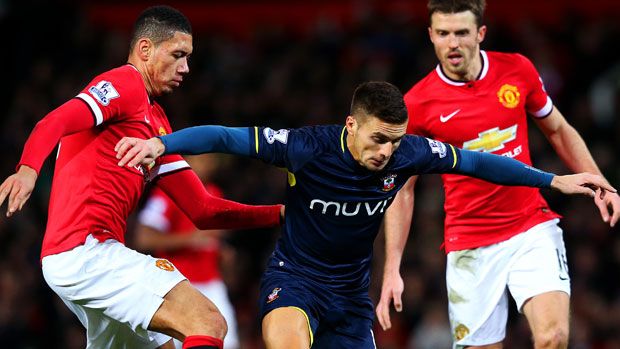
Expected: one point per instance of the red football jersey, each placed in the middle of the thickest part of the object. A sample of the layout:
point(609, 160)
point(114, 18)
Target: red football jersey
point(90, 193)
point(489, 115)
point(162, 214)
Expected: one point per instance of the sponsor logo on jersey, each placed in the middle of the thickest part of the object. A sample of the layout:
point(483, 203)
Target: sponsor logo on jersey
point(273, 295)
point(103, 92)
point(164, 264)
point(350, 209)
point(509, 96)
point(388, 182)
point(460, 331)
point(492, 139)
point(272, 136)
point(437, 147)
point(449, 116)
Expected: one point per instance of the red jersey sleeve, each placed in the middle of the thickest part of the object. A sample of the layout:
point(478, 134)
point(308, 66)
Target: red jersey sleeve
point(113, 94)
point(209, 212)
point(415, 124)
point(537, 102)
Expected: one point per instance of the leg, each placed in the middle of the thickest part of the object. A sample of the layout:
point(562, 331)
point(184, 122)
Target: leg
point(548, 315)
point(286, 328)
point(186, 312)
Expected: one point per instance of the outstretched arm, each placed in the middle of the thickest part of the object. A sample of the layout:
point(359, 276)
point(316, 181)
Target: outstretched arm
point(506, 171)
point(192, 140)
point(396, 226)
point(71, 117)
point(573, 151)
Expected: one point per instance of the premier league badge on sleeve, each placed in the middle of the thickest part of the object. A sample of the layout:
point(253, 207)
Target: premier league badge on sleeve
point(388, 182)
point(272, 136)
point(103, 92)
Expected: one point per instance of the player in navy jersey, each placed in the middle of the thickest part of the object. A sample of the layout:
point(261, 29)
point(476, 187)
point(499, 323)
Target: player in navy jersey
point(124, 299)
point(341, 179)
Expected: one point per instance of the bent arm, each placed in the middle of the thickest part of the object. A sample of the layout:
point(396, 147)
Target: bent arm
point(210, 212)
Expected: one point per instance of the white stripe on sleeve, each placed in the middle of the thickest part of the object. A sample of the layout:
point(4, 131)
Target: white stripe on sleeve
point(544, 111)
point(169, 167)
point(93, 106)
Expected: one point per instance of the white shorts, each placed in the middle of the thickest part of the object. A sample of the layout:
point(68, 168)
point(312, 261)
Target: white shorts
point(526, 265)
point(113, 290)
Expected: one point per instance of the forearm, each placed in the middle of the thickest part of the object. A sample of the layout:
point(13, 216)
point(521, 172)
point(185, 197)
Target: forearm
point(501, 170)
point(397, 224)
point(572, 149)
point(208, 139)
point(209, 212)
point(150, 239)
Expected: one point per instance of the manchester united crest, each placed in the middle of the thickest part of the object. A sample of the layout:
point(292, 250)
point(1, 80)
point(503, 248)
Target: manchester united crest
point(164, 264)
point(509, 96)
point(162, 131)
point(389, 182)
point(460, 332)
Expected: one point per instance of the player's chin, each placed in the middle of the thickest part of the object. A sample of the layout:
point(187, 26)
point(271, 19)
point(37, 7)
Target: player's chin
point(374, 165)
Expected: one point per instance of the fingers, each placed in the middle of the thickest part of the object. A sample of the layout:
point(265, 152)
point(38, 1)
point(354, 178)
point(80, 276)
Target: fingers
point(602, 207)
point(123, 145)
point(383, 313)
point(5, 189)
point(130, 158)
point(614, 203)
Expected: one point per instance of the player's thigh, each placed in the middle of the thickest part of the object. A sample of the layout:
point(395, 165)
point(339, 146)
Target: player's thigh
point(285, 328)
point(217, 293)
point(477, 299)
point(185, 311)
point(548, 312)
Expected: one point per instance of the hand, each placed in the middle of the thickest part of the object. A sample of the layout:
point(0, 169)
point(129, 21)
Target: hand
point(605, 201)
point(392, 289)
point(134, 151)
point(18, 188)
point(582, 183)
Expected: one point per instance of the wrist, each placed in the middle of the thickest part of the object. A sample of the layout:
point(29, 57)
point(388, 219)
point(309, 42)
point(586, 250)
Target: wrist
point(27, 170)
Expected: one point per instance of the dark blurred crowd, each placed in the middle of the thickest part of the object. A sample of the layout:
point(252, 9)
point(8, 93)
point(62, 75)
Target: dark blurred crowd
point(283, 78)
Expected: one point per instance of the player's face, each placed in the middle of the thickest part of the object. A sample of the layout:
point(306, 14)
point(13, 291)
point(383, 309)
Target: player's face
point(372, 141)
point(456, 38)
point(169, 63)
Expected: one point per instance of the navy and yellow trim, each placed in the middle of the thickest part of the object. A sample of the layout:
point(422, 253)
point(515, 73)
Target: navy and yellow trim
point(256, 138)
point(453, 155)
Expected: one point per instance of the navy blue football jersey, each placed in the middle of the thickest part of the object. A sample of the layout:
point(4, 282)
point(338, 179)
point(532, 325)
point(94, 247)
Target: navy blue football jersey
point(334, 206)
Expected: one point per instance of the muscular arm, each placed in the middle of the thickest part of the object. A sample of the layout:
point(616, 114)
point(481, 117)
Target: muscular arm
point(573, 151)
point(151, 239)
point(209, 212)
point(396, 225)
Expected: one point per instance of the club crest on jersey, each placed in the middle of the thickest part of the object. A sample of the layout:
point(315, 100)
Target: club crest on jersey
point(164, 264)
point(509, 96)
point(389, 182)
point(272, 136)
point(104, 92)
point(460, 332)
point(491, 140)
point(273, 295)
point(437, 147)
point(162, 131)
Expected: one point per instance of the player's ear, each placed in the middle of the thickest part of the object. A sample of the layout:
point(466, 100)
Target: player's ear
point(350, 123)
point(144, 48)
point(482, 32)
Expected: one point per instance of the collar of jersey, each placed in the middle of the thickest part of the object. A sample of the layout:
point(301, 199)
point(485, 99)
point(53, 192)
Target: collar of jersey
point(483, 71)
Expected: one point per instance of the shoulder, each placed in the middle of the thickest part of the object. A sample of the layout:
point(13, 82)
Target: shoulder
point(513, 60)
point(124, 79)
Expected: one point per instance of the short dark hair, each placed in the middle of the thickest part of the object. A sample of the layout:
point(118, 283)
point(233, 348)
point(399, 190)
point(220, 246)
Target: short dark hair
point(159, 23)
point(380, 99)
point(456, 6)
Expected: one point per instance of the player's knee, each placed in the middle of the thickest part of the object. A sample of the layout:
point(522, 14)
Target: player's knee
point(555, 338)
point(211, 323)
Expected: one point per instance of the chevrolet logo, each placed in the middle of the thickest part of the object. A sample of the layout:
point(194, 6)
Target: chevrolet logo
point(491, 140)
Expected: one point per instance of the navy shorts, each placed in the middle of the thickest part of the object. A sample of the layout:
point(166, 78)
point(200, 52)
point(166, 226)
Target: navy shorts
point(336, 320)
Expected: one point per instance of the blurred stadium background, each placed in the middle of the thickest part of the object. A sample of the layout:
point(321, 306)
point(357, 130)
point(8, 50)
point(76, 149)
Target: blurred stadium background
point(293, 63)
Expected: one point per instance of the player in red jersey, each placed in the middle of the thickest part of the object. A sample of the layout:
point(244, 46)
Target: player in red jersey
point(496, 237)
point(125, 299)
point(167, 232)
